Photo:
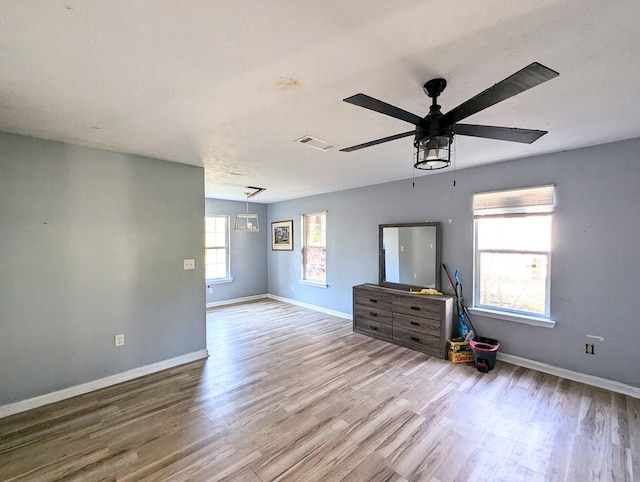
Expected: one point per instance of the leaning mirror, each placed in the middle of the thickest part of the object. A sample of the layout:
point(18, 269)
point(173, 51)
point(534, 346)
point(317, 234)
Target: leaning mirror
point(410, 255)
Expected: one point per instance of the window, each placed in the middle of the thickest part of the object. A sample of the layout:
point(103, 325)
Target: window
point(314, 248)
point(216, 258)
point(513, 250)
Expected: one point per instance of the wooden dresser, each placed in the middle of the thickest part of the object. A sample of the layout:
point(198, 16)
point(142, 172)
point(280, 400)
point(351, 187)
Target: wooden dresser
point(420, 322)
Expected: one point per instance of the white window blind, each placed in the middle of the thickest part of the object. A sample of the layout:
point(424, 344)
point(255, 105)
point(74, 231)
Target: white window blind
point(528, 200)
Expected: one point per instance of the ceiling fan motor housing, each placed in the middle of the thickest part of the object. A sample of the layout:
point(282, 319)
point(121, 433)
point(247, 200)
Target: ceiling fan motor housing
point(431, 128)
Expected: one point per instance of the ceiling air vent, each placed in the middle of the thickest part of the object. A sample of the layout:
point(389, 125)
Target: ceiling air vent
point(315, 143)
point(256, 190)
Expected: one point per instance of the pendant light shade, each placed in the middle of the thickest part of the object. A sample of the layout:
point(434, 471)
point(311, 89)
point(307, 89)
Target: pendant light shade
point(247, 222)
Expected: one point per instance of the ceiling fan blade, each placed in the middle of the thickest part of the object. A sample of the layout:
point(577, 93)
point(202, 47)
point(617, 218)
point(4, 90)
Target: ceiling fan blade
point(526, 136)
point(530, 76)
point(379, 141)
point(367, 102)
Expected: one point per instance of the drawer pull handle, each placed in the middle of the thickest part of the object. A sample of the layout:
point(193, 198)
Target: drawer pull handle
point(415, 338)
point(373, 314)
point(415, 323)
point(416, 308)
point(373, 300)
point(373, 327)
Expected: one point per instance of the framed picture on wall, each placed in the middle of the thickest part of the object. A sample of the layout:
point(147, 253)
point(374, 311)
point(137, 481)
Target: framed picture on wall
point(282, 236)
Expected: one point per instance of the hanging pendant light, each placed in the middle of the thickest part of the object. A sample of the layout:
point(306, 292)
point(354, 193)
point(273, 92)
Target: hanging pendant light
point(247, 222)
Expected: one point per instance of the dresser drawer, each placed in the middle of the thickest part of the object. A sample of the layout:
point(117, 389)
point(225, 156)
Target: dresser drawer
point(419, 341)
point(373, 298)
point(375, 328)
point(374, 314)
point(414, 323)
point(418, 305)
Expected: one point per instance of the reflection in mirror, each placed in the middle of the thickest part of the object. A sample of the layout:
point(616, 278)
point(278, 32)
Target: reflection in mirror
point(410, 255)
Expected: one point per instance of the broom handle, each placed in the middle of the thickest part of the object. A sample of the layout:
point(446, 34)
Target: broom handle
point(453, 285)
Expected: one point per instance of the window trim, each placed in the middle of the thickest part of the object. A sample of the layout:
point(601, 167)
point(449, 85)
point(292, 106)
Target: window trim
point(477, 274)
point(317, 284)
point(227, 248)
point(217, 281)
point(303, 280)
point(514, 317)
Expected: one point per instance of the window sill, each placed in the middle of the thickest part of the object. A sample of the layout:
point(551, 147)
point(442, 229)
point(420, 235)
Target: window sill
point(527, 320)
point(313, 283)
point(218, 281)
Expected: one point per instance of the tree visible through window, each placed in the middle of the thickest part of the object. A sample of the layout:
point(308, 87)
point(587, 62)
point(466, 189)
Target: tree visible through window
point(217, 247)
point(314, 247)
point(513, 250)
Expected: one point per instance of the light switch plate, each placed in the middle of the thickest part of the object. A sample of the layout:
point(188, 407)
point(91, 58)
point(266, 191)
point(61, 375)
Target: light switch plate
point(189, 264)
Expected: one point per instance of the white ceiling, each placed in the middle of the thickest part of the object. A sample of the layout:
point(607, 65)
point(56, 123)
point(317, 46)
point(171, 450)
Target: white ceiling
point(230, 85)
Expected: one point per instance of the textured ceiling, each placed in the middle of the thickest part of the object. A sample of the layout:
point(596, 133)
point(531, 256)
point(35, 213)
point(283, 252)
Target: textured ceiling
point(230, 85)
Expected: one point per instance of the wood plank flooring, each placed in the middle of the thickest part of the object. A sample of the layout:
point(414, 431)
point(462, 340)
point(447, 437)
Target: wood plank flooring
point(293, 394)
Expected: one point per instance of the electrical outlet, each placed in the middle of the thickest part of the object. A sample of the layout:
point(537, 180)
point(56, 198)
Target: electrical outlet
point(119, 340)
point(189, 264)
point(588, 349)
point(210, 289)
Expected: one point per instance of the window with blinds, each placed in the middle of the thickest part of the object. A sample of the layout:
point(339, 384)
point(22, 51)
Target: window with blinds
point(512, 250)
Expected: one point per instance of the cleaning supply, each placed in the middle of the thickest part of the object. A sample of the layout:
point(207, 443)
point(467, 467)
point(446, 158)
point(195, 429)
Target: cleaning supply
point(484, 353)
point(462, 326)
point(484, 350)
point(465, 324)
point(463, 329)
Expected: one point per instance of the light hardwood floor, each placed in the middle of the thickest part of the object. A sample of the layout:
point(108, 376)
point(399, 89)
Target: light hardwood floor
point(293, 394)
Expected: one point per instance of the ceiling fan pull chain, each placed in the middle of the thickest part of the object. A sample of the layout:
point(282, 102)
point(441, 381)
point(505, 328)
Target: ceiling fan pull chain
point(413, 177)
point(455, 144)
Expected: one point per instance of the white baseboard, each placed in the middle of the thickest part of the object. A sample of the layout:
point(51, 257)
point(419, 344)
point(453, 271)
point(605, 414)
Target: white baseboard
point(571, 375)
point(65, 393)
point(236, 300)
point(321, 309)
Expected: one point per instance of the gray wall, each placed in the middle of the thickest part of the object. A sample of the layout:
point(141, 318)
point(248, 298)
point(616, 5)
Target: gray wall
point(248, 252)
point(92, 244)
point(595, 266)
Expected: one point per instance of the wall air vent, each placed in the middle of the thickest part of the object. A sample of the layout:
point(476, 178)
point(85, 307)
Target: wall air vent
point(315, 143)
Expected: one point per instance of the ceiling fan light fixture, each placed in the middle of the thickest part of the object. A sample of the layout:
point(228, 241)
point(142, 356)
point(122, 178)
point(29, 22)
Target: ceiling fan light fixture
point(433, 153)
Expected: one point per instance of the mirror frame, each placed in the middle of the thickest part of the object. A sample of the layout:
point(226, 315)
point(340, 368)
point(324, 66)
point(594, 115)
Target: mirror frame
point(438, 260)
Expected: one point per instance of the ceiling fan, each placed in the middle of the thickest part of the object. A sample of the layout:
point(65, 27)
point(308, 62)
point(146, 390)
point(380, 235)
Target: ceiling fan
point(434, 133)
